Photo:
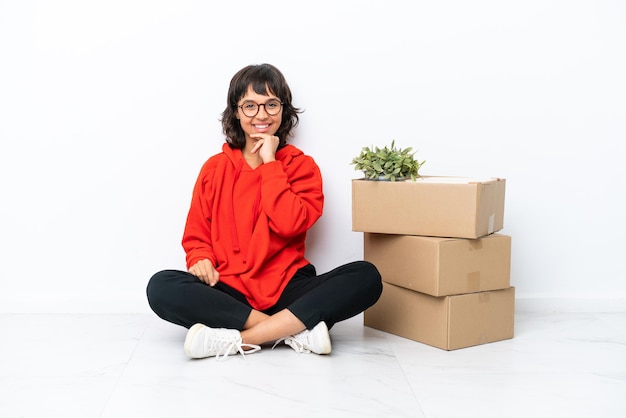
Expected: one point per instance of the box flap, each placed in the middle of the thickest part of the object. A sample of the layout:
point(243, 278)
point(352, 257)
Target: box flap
point(455, 180)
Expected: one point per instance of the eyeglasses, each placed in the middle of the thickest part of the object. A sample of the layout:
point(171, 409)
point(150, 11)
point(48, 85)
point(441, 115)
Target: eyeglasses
point(251, 109)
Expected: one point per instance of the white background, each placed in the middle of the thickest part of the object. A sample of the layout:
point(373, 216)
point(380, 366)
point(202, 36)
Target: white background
point(109, 108)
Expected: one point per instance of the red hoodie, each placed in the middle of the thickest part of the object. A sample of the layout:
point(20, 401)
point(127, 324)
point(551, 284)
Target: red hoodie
point(252, 223)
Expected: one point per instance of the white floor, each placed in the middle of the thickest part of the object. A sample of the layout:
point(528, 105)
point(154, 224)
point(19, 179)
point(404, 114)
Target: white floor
point(558, 365)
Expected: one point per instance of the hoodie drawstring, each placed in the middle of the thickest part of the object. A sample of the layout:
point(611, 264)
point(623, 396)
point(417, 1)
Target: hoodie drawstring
point(233, 225)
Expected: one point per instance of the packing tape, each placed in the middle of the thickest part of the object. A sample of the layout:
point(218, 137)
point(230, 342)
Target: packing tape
point(473, 281)
point(492, 221)
point(484, 297)
point(475, 244)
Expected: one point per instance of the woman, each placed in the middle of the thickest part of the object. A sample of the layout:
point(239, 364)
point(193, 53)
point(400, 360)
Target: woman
point(248, 282)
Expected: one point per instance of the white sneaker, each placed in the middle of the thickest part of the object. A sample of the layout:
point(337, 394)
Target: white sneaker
point(315, 341)
point(202, 341)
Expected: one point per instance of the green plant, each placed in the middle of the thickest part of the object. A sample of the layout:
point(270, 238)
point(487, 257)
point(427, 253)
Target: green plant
point(388, 163)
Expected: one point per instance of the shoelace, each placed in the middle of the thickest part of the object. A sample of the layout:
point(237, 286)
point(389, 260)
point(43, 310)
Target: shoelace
point(227, 348)
point(293, 342)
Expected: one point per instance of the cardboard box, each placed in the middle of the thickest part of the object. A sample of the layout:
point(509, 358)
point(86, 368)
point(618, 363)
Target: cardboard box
point(456, 207)
point(441, 266)
point(447, 322)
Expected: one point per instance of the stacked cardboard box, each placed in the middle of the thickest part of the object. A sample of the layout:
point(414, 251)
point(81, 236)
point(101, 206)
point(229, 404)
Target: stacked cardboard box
point(445, 269)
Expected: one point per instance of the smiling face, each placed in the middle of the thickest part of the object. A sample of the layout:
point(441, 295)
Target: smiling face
point(262, 122)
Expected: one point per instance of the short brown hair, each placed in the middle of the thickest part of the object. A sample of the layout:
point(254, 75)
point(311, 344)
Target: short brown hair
point(262, 77)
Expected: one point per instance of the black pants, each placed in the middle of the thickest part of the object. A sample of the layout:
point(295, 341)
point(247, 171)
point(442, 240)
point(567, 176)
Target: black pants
point(181, 298)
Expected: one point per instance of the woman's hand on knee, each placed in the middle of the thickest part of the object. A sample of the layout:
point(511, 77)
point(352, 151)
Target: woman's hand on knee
point(205, 271)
